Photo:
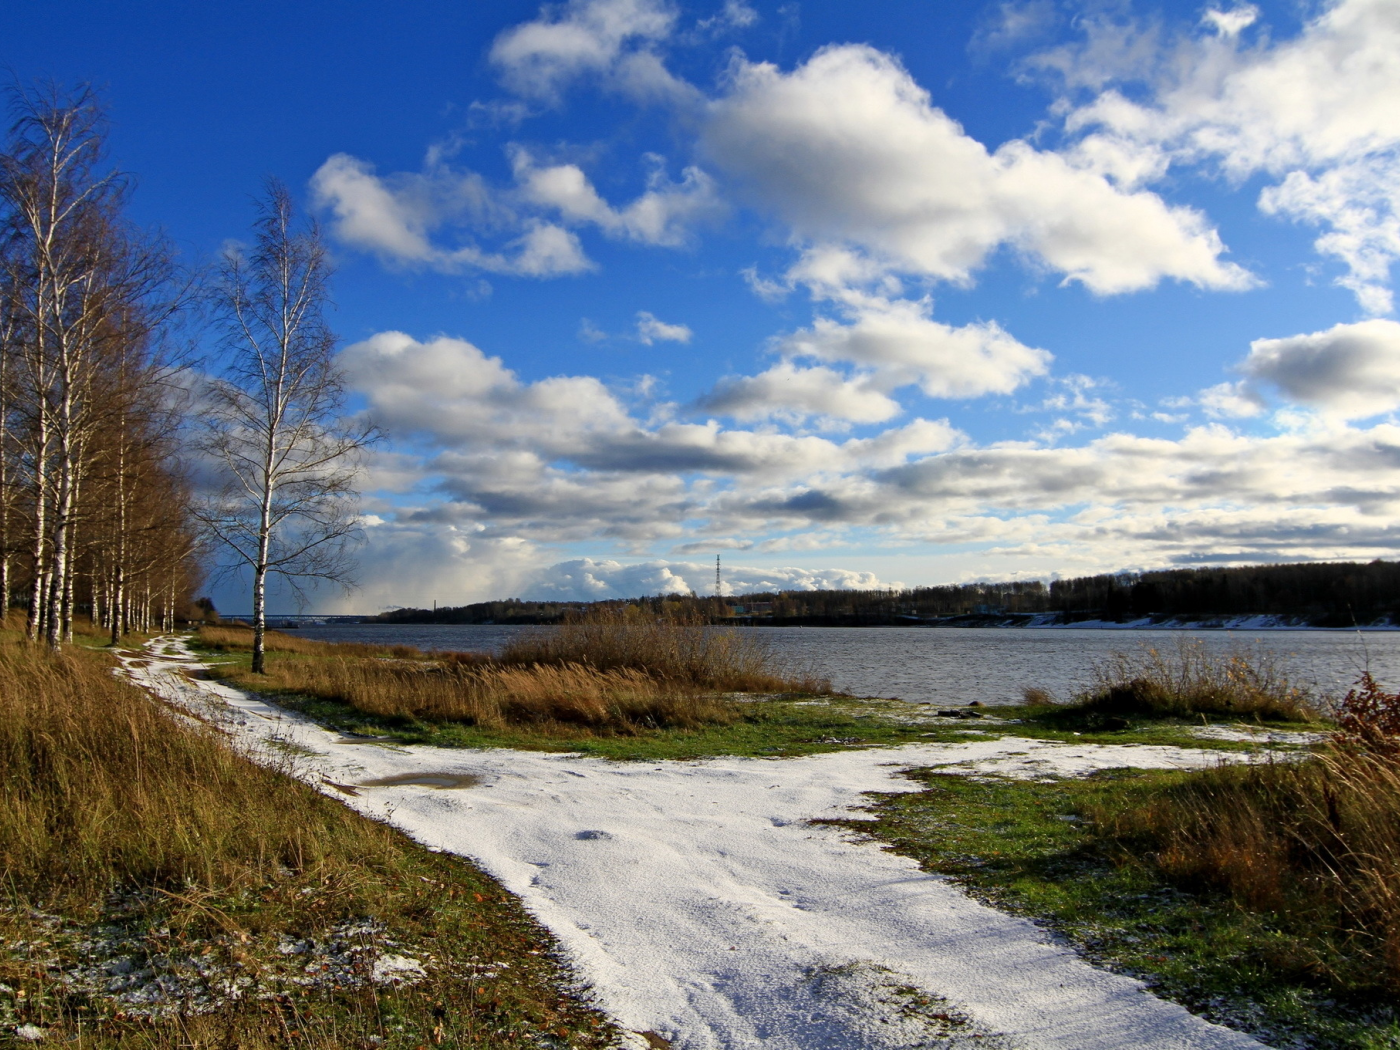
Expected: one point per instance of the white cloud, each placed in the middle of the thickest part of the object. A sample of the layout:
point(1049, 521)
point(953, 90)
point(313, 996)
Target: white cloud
point(1231, 401)
point(1317, 112)
point(735, 14)
point(1350, 370)
point(505, 470)
point(588, 580)
point(1232, 22)
point(901, 342)
point(393, 217)
point(847, 149)
point(611, 39)
point(792, 393)
point(651, 330)
point(664, 214)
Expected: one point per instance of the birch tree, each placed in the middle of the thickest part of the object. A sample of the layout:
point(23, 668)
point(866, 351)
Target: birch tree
point(274, 430)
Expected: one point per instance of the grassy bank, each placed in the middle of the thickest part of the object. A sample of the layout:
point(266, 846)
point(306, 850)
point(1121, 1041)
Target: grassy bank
point(630, 689)
point(1265, 897)
point(161, 891)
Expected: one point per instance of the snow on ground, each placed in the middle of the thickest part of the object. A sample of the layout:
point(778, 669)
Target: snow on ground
point(702, 906)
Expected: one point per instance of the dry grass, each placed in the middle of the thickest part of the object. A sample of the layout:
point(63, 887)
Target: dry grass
point(1315, 844)
point(1189, 681)
point(226, 638)
point(102, 789)
point(115, 816)
point(668, 648)
point(495, 696)
point(615, 671)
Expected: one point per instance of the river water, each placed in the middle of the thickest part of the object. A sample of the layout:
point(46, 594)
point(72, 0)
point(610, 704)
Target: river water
point(959, 665)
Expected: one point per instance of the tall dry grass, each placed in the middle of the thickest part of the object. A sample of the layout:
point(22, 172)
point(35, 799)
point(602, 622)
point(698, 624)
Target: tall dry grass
point(1315, 843)
point(235, 638)
point(615, 670)
point(103, 789)
point(674, 649)
point(1188, 681)
point(498, 696)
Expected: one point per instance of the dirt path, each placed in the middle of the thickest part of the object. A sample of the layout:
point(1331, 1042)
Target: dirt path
point(701, 905)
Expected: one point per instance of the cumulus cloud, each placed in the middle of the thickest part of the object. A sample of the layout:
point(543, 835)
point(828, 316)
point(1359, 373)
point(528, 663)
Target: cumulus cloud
point(848, 149)
point(1231, 401)
point(664, 214)
point(793, 393)
point(651, 330)
point(588, 580)
point(902, 345)
point(394, 217)
point(1349, 370)
point(505, 470)
point(1315, 112)
point(614, 40)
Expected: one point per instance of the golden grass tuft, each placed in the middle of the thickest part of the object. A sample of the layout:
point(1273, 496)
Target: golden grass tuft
point(1315, 843)
point(1189, 681)
point(674, 649)
point(495, 696)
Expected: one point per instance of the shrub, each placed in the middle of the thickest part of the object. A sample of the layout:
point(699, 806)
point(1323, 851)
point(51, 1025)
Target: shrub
point(671, 648)
point(1190, 681)
point(1368, 717)
point(1315, 843)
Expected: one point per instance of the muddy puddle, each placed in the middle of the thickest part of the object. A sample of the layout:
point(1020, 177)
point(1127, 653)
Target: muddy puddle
point(432, 780)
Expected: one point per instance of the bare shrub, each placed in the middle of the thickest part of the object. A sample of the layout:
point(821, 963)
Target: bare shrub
point(673, 648)
point(1369, 717)
point(1315, 843)
point(1190, 681)
point(1035, 696)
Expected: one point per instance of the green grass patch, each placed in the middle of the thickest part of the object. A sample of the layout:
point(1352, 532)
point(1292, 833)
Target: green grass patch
point(1035, 849)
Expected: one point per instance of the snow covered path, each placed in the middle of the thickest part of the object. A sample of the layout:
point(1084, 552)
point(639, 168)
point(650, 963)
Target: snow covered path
point(702, 907)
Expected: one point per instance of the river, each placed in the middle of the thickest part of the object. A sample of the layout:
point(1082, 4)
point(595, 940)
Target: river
point(959, 665)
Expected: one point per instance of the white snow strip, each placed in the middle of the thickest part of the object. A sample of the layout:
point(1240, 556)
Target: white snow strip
point(701, 905)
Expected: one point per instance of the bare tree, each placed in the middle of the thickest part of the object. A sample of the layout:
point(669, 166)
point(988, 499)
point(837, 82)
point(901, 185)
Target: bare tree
point(274, 430)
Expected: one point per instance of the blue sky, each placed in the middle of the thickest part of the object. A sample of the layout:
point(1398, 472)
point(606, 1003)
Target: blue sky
point(855, 295)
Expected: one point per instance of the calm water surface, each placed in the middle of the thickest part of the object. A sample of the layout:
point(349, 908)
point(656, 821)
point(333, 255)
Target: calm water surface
point(959, 665)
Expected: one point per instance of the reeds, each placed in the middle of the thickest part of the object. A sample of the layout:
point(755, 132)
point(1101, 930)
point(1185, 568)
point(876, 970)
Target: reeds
point(496, 696)
point(1314, 843)
point(228, 637)
point(674, 649)
point(1189, 681)
point(614, 671)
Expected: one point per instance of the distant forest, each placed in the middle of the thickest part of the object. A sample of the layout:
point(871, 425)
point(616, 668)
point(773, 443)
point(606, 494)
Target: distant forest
point(1320, 594)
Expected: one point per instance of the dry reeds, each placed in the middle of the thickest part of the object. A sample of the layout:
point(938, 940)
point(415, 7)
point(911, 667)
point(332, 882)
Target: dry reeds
point(101, 788)
point(1316, 843)
point(227, 637)
point(1190, 681)
point(495, 696)
point(674, 649)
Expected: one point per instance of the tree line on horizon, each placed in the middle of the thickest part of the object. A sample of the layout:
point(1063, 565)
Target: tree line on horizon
point(130, 465)
point(1324, 594)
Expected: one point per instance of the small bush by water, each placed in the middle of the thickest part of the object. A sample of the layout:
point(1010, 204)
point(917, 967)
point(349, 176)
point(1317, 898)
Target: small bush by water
point(1189, 681)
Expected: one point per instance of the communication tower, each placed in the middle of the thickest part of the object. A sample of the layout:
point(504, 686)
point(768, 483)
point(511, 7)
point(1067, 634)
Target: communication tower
point(716, 575)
